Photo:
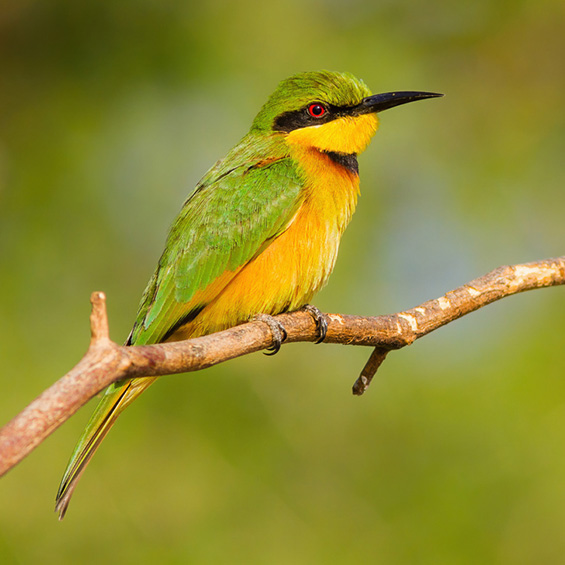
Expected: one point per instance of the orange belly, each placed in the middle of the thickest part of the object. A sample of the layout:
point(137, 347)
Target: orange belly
point(287, 274)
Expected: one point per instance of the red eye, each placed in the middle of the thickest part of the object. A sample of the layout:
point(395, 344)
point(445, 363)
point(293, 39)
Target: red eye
point(316, 110)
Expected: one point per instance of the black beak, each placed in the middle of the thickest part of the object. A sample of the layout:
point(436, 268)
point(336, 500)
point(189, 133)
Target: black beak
point(380, 102)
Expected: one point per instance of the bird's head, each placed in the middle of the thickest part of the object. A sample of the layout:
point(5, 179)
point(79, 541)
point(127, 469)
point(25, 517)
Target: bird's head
point(328, 111)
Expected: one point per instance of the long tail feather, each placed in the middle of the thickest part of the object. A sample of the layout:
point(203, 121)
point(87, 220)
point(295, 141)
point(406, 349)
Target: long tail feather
point(116, 398)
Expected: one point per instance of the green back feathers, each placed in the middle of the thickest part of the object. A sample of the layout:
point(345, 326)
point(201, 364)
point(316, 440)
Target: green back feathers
point(338, 89)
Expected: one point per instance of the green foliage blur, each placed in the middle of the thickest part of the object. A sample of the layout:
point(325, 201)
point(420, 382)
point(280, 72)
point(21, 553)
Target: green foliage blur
point(110, 112)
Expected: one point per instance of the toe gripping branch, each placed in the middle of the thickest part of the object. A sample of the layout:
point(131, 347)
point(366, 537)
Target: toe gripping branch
point(320, 319)
point(277, 330)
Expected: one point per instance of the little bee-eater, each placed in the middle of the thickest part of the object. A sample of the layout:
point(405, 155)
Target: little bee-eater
point(261, 231)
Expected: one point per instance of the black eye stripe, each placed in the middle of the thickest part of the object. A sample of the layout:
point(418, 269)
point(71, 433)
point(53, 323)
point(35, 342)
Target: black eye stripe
point(295, 119)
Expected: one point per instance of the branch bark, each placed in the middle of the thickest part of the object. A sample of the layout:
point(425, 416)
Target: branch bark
point(106, 362)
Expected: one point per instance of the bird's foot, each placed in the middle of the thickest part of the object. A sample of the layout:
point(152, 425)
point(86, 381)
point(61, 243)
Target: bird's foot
point(320, 319)
point(277, 330)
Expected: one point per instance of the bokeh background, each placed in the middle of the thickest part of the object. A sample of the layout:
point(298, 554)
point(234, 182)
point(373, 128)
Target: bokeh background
point(110, 112)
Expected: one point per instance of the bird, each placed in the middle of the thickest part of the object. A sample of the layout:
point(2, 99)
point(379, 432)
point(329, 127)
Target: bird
point(260, 233)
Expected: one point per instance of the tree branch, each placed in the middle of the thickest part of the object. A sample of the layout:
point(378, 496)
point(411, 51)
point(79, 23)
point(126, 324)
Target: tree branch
point(106, 362)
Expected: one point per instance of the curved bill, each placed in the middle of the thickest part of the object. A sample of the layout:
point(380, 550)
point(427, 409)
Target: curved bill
point(380, 102)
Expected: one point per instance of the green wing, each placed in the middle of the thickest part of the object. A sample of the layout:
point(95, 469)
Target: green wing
point(243, 202)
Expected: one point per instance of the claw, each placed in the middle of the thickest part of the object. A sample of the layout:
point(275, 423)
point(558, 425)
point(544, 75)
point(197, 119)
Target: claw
point(320, 319)
point(277, 330)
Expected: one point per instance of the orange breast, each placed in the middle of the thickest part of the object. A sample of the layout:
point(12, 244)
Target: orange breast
point(287, 274)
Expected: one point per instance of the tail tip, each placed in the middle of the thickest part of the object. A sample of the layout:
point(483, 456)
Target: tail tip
point(62, 502)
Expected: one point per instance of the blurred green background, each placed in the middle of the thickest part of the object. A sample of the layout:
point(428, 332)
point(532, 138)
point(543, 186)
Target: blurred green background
point(110, 112)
